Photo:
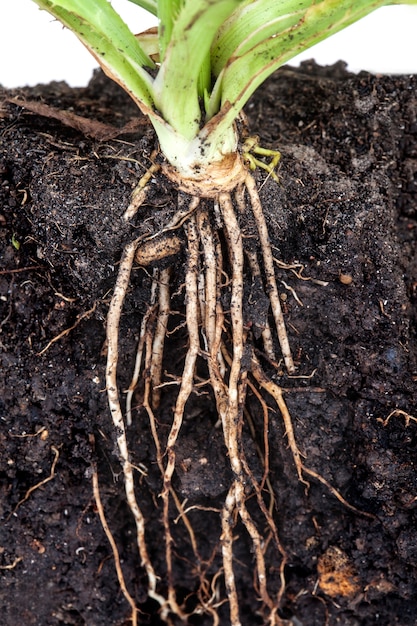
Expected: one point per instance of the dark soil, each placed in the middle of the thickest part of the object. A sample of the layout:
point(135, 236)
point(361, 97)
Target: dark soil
point(346, 210)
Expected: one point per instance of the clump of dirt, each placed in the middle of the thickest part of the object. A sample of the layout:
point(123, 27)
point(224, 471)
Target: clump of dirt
point(343, 222)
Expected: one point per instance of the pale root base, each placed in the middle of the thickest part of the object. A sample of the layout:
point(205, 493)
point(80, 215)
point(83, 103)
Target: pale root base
point(215, 179)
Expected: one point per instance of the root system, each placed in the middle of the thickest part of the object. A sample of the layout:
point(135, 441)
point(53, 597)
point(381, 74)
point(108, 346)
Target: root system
point(220, 336)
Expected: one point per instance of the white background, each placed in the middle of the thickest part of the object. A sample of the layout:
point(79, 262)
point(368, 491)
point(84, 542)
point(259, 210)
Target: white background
point(35, 49)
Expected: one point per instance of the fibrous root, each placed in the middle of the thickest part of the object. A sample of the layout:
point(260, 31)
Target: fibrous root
point(219, 336)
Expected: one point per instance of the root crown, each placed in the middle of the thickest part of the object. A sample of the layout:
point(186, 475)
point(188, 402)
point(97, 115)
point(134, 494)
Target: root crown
point(212, 180)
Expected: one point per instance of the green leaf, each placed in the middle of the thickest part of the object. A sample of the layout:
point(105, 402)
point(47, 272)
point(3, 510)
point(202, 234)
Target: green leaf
point(110, 41)
point(168, 11)
point(248, 67)
point(179, 85)
point(148, 5)
point(252, 22)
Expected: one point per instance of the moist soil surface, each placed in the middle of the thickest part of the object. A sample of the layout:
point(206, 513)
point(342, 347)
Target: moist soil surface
point(343, 216)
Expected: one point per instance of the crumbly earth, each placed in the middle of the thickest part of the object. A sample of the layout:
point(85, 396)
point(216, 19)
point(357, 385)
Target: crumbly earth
point(345, 214)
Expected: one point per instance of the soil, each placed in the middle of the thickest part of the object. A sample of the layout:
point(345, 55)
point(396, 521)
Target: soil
point(345, 211)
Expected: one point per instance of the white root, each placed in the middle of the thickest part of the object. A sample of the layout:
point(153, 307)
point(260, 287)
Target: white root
point(230, 417)
point(276, 392)
point(228, 524)
point(113, 321)
point(233, 418)
point(139, 351)
point(269, 272)
point(171, 604)
point(213, 312)
point(266, 332)
point(234, 237)
point(119, 571)
point(138, 196)
point(186, 387)
point(164, 302)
